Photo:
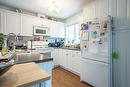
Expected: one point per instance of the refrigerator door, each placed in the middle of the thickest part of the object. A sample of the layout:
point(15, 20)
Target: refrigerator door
point(96, 57)
point(94, 73)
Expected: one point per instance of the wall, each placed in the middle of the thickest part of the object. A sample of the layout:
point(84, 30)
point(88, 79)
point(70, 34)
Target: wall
point(28, 12)
point(120, 10)
point(73, 19)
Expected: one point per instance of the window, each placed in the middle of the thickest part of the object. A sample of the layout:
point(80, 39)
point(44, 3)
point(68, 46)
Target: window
point(72, 34)
point(77, 34)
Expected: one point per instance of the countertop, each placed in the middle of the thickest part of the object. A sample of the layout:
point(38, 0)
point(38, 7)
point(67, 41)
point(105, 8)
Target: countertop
point(31, 56)
point(23, 75)
point(26, 56)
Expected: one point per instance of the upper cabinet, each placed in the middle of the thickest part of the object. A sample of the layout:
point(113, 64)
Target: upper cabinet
point(46, 23)
point(2, 22)
point(12, 23)
point(57, 29)
point(27, 25)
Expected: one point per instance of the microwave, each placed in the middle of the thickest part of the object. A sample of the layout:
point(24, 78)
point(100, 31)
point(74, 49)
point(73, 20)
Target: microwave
point(39, 30)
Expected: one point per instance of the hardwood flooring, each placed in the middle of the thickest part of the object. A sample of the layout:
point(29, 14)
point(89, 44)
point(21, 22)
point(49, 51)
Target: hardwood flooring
point(64, 78)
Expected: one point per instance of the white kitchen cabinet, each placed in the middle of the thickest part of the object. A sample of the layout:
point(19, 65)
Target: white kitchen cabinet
point(27, 25)
point(37, 21)
point(46, 23)
point(69, 59)
point(12, 23)
point(2, 22)
point(60, 56)
point(76, 58)
point(28, 22)
point(64, 57)
point(61, 30)
point(55, 56)
point(57, 29)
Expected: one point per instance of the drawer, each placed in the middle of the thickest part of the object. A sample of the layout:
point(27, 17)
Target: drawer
point(76, 53)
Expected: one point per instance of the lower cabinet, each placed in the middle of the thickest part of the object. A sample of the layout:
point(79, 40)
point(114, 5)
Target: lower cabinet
point(69, 59)
point(46, 66)
point(55, 56)
point(76, 57)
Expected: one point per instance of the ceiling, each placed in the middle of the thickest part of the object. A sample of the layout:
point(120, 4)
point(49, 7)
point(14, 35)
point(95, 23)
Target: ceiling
point(67, 7)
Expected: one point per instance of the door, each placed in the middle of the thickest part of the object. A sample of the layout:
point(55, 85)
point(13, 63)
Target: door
point(60, 30)
point(13, 23)
point(27, 25)
point(63, 61)
point(55, 56)
point(69, 59)
point(1, 22)
point(94, 73)
point(76, 64)
point(57, 29)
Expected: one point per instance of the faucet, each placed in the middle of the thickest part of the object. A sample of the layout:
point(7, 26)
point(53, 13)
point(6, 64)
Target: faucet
point(13, 42)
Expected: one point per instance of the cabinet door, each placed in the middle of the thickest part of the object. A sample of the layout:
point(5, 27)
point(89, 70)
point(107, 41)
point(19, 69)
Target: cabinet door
point(64, 58)
point(60, 56)
point(37, 21)
point(46, 23)
point(13, 23)
point(28, 22)
point(60, 30)
point(27, 25)
point(57, 29)
point(70, 62)
point(1, 22)
point(55, 55)
point(53, 29)
point(76, 61)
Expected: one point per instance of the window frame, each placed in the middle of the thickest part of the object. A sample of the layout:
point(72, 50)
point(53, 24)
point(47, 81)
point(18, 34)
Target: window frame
point(74, 30)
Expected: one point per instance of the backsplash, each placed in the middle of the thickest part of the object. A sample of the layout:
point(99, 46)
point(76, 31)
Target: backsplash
point(52, 39)
point(23, 39)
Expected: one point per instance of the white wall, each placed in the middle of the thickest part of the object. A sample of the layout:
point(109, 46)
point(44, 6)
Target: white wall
point(73, 19)
point(120, 10)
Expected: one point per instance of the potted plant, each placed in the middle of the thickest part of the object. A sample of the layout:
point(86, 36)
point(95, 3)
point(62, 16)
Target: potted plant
point(1, 40)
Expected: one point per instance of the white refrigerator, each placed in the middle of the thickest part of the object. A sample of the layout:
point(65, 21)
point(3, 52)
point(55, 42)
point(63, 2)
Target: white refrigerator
point(96, 50)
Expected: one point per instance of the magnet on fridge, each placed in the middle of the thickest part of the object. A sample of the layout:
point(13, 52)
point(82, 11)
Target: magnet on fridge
point(90, 22)
point(85, 27)
point(105, 24)
point(100, 41)
point(94, 34)
point(102, 34)
point(86, 46)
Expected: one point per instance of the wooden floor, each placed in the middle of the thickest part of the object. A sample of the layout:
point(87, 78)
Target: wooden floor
point(63, 78)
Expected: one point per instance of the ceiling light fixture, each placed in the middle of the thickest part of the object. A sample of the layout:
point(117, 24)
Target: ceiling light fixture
point(54, 8)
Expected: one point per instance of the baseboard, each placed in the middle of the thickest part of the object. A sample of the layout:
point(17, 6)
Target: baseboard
point(69, 70)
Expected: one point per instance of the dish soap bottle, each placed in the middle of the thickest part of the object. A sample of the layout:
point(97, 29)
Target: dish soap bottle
point(4, 50)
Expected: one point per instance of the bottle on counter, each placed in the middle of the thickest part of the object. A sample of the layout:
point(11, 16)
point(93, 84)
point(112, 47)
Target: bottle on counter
point(4, 51)
point(0, 54)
